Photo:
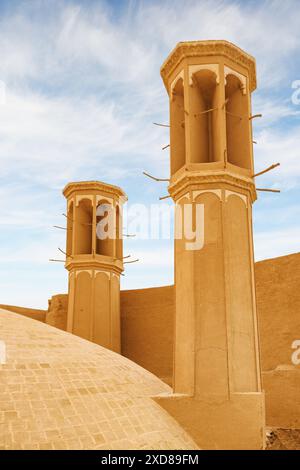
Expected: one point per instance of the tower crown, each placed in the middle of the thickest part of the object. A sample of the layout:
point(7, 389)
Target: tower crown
point(87, 203)
point(209, 84)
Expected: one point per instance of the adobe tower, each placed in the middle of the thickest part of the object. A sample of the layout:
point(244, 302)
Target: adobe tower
point(217, 381)
point(94, 263)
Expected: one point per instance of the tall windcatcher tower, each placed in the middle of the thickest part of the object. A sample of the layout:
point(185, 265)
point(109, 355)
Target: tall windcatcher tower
point(217, 381)
point(94, 259)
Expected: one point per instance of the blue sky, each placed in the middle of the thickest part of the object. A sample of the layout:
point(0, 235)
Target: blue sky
point(82, 90)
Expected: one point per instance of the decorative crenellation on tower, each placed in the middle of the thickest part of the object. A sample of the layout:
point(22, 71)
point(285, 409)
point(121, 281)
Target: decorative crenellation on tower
point(217, 380)
point(94, 262)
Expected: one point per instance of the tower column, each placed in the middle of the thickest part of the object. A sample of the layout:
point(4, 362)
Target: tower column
point(216, 342)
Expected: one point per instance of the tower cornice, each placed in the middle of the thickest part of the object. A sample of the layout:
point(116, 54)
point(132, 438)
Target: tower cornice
point(98, 263)
point(190, 181)
point(86, 186)
point(209, 48)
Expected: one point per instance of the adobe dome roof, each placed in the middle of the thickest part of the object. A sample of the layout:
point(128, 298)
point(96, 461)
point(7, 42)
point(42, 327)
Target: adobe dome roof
point(58, 391)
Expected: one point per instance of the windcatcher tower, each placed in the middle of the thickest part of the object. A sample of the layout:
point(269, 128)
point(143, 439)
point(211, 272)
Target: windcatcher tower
point(217, 383)
point(94, 263)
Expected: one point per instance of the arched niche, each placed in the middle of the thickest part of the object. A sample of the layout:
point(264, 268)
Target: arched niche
point(102, 320)
point(237, 122)
point(239, 265)
point(177, 129)
point(84, 227)
point(70, 223)
point(209, 300)
point(203, 116)
point(82, 305)
point(105, 223)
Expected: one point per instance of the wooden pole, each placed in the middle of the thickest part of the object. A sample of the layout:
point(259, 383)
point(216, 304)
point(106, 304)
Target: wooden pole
point(266, 170)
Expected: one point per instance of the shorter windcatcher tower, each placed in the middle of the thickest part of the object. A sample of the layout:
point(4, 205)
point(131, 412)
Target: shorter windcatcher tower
point(94, 259)
point(216, 379)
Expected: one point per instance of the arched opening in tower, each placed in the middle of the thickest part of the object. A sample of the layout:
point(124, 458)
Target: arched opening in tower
point(105, 229)
point(84, 227)
point(70, 222)
point(237, 123)
point(203, 116)
point(177, 129)
point(119, 241)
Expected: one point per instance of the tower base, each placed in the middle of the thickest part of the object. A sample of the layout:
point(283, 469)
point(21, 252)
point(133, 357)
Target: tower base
point(235, 424)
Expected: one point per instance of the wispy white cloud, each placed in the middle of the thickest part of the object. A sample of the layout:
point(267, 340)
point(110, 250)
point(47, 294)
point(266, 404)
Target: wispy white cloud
point(83, 88)
point(274, 110)
point(282, 146)
point(51, 140)
point(281, 242)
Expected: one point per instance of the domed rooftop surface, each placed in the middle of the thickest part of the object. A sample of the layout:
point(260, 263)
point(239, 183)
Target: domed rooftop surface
point(58, 391)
